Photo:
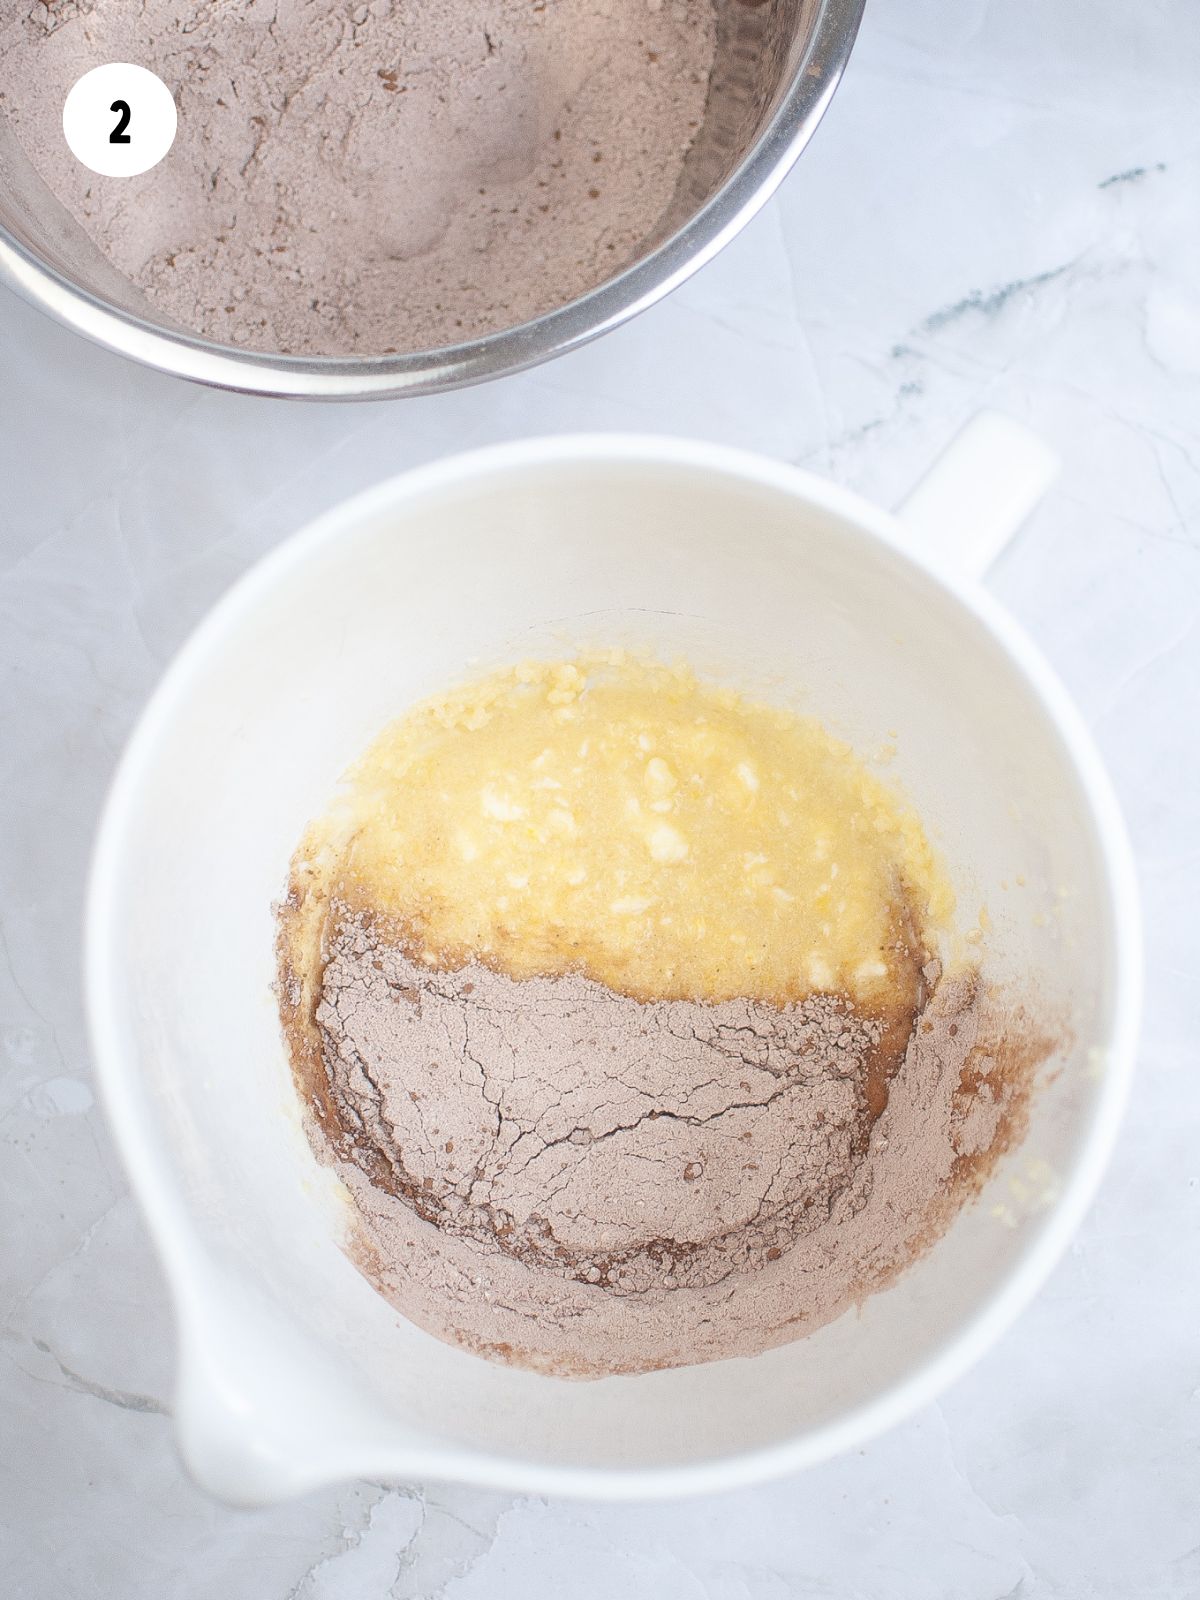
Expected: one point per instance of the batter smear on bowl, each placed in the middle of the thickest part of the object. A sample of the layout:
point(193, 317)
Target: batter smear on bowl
point(617, 1000)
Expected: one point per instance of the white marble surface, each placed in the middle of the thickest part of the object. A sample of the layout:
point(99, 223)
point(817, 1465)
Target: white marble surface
point(1001, 208)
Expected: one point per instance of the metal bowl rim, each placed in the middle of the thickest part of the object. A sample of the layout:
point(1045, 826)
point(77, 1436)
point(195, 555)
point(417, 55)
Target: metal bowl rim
point(509, 350)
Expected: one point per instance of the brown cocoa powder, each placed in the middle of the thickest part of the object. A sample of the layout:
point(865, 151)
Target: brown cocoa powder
point(360, 177)
point(576, 1181)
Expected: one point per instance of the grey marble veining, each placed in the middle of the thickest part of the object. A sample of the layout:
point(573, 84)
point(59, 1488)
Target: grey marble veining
point(1000, 209)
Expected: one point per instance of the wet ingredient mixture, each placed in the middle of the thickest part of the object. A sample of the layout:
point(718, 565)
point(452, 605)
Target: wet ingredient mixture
point(621, 818)
point(614, 997)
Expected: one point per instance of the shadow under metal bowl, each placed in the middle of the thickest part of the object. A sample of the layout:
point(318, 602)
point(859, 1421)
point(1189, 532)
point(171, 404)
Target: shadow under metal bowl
point(777, 65)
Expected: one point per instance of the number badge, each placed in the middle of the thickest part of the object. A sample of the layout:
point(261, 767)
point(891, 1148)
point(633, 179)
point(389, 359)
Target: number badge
point(119, 120)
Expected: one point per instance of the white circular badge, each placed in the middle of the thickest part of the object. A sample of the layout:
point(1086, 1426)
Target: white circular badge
point(119, 120)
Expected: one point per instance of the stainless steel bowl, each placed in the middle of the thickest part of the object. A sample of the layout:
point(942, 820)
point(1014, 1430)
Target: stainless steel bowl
point(777, 65)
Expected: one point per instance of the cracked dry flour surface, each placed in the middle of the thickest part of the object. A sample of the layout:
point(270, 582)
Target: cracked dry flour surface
point(553, 1174)
point(360, 177)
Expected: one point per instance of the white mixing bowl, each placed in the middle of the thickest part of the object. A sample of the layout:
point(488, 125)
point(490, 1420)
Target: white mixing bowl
point(293, 1371)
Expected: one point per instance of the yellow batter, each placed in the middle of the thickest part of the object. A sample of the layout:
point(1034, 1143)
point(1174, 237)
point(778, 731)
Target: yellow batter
point(620, 818)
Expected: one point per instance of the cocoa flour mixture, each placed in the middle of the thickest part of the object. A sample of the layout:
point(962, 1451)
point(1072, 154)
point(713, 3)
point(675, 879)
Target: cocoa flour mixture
point(560, 1176)
point(359, 177)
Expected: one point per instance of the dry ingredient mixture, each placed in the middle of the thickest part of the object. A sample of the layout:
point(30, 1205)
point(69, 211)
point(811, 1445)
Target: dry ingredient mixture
point(582, 1131)
point(370, 176)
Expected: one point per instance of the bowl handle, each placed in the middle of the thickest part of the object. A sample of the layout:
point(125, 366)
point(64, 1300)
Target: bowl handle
point(978, 493)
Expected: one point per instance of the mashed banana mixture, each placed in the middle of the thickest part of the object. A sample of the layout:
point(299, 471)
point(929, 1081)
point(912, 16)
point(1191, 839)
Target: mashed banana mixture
point(619, 818)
